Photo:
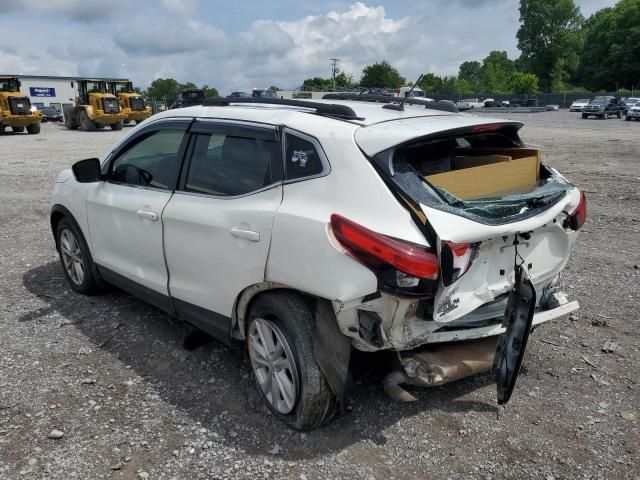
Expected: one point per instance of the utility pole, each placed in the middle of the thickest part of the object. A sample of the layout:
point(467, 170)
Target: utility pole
point(334, 71)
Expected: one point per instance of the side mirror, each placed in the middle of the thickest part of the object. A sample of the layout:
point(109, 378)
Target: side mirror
point(87, 171)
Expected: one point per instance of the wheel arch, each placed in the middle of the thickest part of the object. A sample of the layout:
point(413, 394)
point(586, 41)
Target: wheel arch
point(243, 302)
point(58, 212)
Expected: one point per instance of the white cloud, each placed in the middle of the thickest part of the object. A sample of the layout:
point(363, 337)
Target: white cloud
point(180, 7)
point(177, 40)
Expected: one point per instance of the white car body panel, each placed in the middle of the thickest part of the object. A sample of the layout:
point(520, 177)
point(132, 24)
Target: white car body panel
point(547, 251)
point(209, 264)
point(301, 245)
point(124, 242)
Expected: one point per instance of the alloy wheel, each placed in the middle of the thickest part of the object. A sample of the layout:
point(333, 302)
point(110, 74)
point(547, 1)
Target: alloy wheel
point(72, 256)
point(273, 365)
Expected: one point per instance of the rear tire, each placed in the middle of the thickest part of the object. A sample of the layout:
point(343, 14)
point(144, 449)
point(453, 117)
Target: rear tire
point(284, 318)
point(116, 126)
point(76, 259)
point(86, 123)
point(34, 128)
point(17, 129)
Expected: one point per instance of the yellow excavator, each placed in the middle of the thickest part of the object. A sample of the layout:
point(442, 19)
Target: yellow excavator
point(16, 110)
point(95, 108)
point(131, 102)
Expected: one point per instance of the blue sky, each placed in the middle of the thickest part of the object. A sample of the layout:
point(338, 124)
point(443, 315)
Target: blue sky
point(240, 45)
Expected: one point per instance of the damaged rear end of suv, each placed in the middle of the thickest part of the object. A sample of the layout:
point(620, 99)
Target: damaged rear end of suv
point(499, 225)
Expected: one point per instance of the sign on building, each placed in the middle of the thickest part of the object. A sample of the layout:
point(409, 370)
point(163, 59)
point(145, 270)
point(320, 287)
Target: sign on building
point(42, 92)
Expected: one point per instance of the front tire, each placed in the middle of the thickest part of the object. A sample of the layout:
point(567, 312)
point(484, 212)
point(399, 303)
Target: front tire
point(75, 257)
point(17, 129)
point(86, 123)
point(34, 128)
point(116, 126)
point(280, 343)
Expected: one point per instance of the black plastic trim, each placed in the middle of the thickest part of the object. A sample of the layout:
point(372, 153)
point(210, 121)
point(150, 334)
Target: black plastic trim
point(329, 109)
point(146, 294)
point(215, 324)
point(435, 105)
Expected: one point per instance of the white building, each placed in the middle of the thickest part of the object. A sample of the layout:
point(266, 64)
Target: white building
point(45, 91)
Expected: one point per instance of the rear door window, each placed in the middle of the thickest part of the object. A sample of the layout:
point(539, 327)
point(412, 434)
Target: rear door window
point(233, 161)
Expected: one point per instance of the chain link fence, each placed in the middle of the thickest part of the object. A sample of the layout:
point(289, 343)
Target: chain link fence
point(564, 100)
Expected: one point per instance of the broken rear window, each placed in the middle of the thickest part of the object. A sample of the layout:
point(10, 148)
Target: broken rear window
point(487, 177)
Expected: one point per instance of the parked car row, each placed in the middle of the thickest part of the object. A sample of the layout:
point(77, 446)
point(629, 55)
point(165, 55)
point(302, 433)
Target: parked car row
point(605, 106)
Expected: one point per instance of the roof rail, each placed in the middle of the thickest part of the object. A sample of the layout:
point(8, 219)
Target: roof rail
point(435, 105)
point(342, 112)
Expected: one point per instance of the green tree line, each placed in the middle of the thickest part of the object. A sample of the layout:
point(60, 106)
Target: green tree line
point(560, 51)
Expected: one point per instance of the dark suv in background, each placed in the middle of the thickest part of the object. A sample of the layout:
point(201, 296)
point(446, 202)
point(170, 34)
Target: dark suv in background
point(603, 107)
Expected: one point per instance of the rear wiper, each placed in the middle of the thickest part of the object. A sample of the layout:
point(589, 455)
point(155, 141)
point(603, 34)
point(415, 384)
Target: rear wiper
point(544, 201)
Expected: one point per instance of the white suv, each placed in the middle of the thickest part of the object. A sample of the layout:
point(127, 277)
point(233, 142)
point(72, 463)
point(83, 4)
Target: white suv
point(306, 229)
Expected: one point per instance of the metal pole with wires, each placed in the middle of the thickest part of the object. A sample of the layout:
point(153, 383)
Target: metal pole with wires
point(334, 71)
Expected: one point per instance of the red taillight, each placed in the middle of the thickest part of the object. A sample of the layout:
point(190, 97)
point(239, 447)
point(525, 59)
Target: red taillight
point(373, 249)
point(456, 259)
point(579, 215)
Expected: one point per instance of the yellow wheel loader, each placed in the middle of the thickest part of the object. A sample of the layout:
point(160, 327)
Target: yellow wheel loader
point(131, 103)
point(95, 108)
point(16, 110)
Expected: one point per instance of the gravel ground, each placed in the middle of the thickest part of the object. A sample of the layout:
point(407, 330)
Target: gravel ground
point(110, 373)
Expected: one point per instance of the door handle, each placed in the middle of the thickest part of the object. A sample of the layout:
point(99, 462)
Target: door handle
point(147, 214)
point(246, 234)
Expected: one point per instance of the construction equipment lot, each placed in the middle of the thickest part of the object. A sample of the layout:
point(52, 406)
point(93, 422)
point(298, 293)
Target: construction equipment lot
point(111, 374)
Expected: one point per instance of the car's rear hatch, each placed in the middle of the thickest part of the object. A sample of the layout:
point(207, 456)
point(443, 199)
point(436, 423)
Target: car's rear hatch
point(483, 200)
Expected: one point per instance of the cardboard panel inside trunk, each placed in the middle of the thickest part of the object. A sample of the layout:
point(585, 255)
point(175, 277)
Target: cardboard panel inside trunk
point(487, 172)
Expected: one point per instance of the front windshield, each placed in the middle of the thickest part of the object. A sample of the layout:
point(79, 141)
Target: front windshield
point(600, 100)
point(9, 85)
point(126, 87)
point(96, 87)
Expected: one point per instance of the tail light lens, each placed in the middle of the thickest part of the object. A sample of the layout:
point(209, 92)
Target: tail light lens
point(376, 250)
point(579, 215)
point(455, 259)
